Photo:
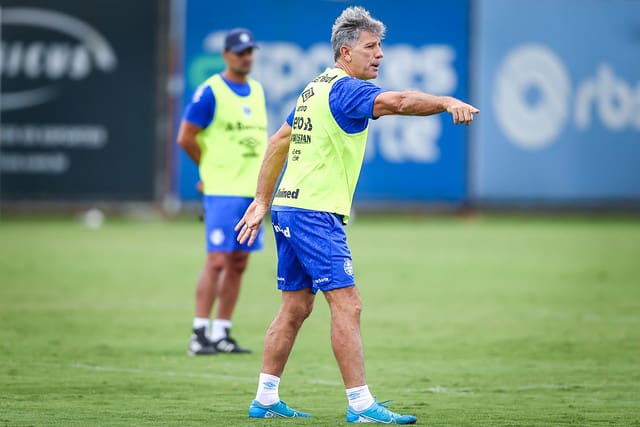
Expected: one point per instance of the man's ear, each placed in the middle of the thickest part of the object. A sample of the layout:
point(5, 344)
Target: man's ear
point(345, 52)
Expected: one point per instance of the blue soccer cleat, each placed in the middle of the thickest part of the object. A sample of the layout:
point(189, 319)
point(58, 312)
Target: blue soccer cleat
point(277, 410)
point(378, 413)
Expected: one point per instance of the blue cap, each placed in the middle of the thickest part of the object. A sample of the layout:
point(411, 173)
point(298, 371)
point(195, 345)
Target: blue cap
point(238, 40)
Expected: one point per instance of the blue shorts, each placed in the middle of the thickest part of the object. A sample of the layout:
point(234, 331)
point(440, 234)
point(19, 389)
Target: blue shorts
point(312, 251)
point(221, 214)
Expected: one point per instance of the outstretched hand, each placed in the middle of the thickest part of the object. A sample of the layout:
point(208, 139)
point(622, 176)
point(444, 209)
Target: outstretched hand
point(461, 112)
point(250, 223)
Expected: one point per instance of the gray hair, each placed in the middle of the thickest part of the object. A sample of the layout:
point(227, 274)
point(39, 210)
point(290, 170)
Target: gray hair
point(346, 29)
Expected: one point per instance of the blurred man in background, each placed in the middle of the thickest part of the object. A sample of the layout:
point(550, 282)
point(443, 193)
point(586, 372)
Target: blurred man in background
point(224, 131)
point(325, 137)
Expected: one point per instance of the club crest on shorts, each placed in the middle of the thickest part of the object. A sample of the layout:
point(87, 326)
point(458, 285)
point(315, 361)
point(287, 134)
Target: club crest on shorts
point(348, 267)
point(217, 236)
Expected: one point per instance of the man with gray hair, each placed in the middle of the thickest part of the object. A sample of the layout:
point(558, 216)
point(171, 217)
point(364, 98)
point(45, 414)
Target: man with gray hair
point(324, 140)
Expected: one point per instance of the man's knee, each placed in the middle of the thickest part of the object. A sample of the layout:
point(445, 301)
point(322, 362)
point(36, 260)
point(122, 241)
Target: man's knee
point(345, 300)
point(356, 308)
point(216, 261)
point(297, 310)
point(238, 262)
point(305, 310)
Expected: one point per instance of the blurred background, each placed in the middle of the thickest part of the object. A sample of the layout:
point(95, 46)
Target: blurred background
point(511, 319)
point(93, 92)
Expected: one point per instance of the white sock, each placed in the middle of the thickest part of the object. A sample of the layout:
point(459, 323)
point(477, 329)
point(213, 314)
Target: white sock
point(199, 322)
point(268, 389)
point(359, 398)
point(219, 329)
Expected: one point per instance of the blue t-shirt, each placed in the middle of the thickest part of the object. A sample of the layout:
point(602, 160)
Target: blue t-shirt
point(203, 103)
point(351, 102)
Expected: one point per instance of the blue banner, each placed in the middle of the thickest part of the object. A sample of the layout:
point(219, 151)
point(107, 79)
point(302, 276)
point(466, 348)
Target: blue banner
point(426, 48)
point(558, 82)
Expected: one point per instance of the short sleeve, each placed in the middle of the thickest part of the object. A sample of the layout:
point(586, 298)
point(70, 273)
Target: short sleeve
point(351, 101)
point(290, 116)
point(201, 108)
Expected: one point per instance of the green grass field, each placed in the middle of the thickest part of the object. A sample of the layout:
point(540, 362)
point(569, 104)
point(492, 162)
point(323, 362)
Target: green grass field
point(489, 321)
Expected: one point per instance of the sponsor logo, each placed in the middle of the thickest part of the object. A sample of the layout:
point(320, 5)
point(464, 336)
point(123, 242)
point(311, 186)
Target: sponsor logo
point(302, 123)
point(39, 163)
point(74, 55)
point(285, 231)
point(307, 94)
point(532, 90)
point(324, 78)
point(535, 100)
point(269, 385)
point(232, 126)
point(300, 138)
point(198, 93)
point(321, 280)
point(250, 144)
point(353, 395)
point(287, 194)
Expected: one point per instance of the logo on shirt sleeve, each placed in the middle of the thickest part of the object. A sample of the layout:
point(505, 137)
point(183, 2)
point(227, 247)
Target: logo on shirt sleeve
point(198, 93)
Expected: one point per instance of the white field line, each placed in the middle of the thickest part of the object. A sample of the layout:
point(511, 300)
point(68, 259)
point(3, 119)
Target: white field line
point(183, 374)
point(435, 389)
point(522, 388)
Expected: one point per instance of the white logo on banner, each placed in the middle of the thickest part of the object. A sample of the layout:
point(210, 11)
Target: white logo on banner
point(615, 100)
point(533, 98)
point(50, 60)
point(535, 71)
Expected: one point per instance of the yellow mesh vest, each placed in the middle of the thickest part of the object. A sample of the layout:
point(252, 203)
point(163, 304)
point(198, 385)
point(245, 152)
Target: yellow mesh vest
point(324, 162)
point(234, 144)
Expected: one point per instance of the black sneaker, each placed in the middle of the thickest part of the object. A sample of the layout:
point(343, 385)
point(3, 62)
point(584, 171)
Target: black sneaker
point(229, 345)
point(200, 344)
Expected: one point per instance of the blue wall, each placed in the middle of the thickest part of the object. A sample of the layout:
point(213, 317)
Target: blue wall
point(558, 82)
point(426, 48)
